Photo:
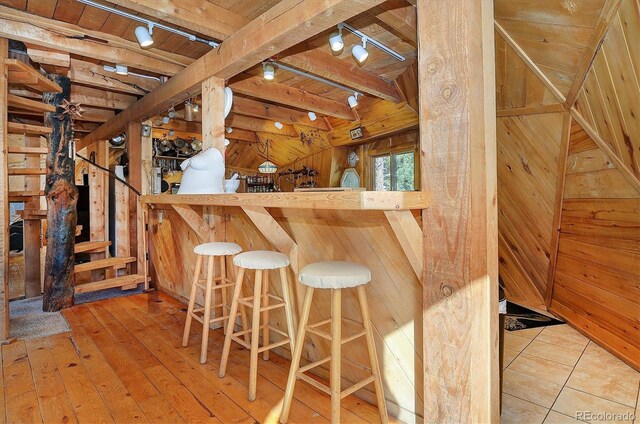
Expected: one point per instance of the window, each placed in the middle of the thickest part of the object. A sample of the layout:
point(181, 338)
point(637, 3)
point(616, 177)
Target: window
point(394, 171)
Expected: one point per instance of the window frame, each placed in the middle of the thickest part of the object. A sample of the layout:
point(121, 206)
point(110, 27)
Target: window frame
point(397, 150)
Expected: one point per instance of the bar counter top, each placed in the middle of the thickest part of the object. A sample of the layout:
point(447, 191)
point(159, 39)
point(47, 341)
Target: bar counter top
point(338, 200)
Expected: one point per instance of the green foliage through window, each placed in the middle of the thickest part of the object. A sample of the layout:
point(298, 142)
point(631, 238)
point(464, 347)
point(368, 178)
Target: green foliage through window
point(395, 171)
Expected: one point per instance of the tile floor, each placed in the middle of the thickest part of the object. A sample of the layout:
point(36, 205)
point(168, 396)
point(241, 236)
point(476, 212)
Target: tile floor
point(553, 373)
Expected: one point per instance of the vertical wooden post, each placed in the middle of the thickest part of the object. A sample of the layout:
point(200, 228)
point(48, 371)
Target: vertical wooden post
point(62, 198)
point(32, 227)
point(134, 149)
point(98, 198)
point(458, 143)
point(4, 197)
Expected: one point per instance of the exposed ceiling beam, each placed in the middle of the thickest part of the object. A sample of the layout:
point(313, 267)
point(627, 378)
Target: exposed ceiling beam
point(84, 127)
point(58, 35)
point(195, 128)
point(530, 63)
point(92, 114)
point(345, 72)
point(99, 98)
point(258, 109)
point(607, 15)
point(250, 123)
point(52, 62)
point(200, 16)
point(286, 24)
point(291, 96)
point(400, 17)
point(95, 76)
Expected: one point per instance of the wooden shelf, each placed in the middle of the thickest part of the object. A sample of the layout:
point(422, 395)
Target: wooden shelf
point(91, 246)
point(21, 73)
point(28, 150)
point(19, 196)
point(18, 128)
point(29, 214)
point(362, 200)
point(28, 104)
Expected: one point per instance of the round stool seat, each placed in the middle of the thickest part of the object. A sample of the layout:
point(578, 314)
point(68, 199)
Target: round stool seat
point(217, 248)
point(334, 275)
point(261, 259)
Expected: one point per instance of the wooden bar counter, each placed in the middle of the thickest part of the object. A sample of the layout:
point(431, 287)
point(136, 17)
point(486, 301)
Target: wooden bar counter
point(379, 229)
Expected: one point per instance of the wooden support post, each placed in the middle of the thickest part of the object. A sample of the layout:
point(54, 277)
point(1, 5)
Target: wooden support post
point(32, 227)
point(4, 197)
point(134, 149)
point(458, 143)
point(62, 198)
point(98, 198)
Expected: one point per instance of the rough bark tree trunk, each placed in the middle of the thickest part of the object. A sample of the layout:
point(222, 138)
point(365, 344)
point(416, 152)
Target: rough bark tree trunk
point(62, 198)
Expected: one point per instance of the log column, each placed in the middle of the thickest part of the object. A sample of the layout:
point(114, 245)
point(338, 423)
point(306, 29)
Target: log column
point(62, 197)
point(458, 162)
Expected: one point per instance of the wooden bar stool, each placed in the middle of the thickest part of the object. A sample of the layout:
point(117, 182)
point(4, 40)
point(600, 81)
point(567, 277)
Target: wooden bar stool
point(334, 275)
point(210, 250)
point(261, 261)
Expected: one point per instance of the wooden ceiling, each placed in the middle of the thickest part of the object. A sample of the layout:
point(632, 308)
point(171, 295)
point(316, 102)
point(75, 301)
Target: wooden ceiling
point(91, 37)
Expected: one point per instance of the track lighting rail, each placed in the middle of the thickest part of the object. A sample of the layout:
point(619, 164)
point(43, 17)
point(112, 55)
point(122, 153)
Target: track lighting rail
point(311, 76)
point(151, 24)
point(371, 41)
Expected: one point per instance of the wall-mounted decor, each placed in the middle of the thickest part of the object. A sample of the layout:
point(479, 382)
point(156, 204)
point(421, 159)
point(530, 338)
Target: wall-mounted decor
point(356, 133)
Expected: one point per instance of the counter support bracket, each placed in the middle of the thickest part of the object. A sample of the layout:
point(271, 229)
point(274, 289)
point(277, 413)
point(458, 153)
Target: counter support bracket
point(409, 235)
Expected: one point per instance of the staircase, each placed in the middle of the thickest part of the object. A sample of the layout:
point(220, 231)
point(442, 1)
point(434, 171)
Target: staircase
point(23, 75)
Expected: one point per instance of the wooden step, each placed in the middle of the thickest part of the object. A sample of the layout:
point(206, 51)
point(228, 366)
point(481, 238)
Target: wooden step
point(20, 196)
point(28, 150)
point(29, 104)
point(126, 280)
point(19, 128)
point(26, 171)
point(21, 73)
point(115, 263)
point(92, 246)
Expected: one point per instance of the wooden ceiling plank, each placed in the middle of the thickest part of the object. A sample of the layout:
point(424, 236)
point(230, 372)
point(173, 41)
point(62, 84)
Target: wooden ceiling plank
point(58, 35)
point(401, 18)
point(290, 96)
point(200, 16)
point(607, 15)
point(536, 70)
point(258, 109)
point(345, 72)
point(258, 125)
point(281, 27)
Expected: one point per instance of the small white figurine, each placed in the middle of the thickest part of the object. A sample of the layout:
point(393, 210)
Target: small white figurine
point(203, 173)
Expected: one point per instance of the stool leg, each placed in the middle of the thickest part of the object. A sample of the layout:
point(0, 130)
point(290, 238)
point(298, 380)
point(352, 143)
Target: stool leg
point(295, 356)
point(373, 357)
point(225, 300)
point(265, 314)
point(207, 310)
point(288, 308)
point(192, 301)
point(234, 311)
point(336, 345)
point(255, 332)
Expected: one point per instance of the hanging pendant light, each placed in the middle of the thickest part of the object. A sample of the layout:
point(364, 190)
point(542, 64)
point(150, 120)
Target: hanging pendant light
point(267, 167)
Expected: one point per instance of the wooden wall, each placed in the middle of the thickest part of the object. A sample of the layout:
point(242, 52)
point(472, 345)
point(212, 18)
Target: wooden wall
point(597, 277)
point(610, 98)
point(528, 150)
point(395, 293)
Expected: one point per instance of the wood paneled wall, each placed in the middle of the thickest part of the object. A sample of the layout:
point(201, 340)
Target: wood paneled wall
point(597, 278)
point(395, 293)
point(528, 151)
point(610, 98)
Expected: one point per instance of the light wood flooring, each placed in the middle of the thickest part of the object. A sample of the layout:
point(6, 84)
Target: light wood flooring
point(122, 362)
point(556, 375)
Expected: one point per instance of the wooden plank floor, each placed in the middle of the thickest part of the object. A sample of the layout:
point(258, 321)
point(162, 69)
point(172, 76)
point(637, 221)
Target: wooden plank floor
point(122, 362)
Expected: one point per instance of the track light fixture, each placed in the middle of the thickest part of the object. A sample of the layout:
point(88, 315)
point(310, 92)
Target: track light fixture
point(268, 72)
point(229, 130)
point(172, 113)
point(144, 34)
point(312, 116)
point(335, 40)
point(360, 51)
point(196, 107)
point(353, 100)
point(166, 120)
point(122, 70)
point(278, 125)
